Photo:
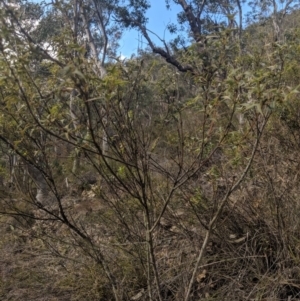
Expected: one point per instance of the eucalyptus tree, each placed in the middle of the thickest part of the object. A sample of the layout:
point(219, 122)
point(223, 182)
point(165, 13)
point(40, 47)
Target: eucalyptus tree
point(274, 12)
point(60, 34)
point(196, 21)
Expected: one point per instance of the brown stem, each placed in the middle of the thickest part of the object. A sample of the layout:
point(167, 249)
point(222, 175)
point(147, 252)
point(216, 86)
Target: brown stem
point(220, 209)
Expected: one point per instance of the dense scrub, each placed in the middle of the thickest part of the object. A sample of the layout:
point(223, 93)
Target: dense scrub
point(144, 180)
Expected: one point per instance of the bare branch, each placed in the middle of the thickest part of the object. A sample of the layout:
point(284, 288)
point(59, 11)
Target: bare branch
point(169, 58)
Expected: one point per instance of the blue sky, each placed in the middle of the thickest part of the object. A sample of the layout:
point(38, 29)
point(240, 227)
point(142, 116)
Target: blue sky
point(159, 17)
